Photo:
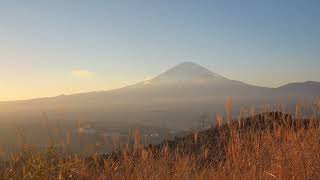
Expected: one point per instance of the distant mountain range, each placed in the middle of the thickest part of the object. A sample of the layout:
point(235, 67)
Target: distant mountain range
point(182, 92)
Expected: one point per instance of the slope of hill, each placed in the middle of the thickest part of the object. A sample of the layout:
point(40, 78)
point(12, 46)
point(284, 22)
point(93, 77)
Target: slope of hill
point(266, 146)
point(309, 88)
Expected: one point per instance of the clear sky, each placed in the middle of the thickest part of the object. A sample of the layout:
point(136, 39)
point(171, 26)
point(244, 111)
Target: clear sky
point(55, 47)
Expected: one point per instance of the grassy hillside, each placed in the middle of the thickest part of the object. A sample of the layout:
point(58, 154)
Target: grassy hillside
point(272, 145)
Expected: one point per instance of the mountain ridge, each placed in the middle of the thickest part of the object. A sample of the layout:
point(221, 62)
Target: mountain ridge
point(178, 101)
point(185, 72)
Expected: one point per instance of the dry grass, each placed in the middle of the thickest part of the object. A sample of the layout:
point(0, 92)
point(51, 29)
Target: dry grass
point(244, 152)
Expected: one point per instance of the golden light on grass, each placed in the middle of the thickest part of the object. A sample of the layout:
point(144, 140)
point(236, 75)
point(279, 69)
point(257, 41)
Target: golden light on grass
point(219, 120)
point(281, 152)
point(196, 135)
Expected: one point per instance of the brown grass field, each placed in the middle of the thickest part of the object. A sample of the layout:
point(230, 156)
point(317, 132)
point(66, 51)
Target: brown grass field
point(272, 145)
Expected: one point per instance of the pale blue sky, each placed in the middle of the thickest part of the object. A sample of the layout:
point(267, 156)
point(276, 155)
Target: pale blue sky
point(53, 47)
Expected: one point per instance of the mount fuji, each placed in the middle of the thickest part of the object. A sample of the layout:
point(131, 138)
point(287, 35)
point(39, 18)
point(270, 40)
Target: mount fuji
point(179, 94)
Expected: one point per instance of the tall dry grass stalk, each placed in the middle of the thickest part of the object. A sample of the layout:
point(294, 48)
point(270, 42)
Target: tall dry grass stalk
point(219, 121)
point(196, 135)
point(137, 141)
point(229, 109)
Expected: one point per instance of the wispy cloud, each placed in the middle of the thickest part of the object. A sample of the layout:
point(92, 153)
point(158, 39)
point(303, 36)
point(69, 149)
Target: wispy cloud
point(83, 73)
point(147, 80)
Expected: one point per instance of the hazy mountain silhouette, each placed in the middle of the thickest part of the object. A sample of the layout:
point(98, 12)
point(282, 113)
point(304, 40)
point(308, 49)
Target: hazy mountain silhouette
point(182, 92)
point(303, 88)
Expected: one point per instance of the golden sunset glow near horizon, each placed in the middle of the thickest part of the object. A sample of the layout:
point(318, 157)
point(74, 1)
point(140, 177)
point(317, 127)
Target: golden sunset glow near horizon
point(49, 48)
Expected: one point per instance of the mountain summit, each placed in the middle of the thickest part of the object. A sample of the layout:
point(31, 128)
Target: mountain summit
point(188, 72)
point(178, 96)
